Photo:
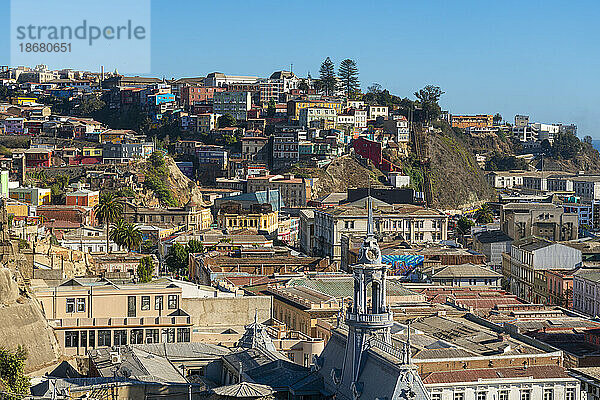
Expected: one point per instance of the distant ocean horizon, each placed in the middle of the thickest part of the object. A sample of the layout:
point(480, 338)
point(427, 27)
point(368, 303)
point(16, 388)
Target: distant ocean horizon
point(596, 144)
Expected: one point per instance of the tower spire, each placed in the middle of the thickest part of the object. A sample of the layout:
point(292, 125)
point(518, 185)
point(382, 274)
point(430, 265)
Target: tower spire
point(370, 214)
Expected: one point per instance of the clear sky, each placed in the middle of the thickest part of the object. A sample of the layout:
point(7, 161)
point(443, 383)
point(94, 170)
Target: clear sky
point(539, 58)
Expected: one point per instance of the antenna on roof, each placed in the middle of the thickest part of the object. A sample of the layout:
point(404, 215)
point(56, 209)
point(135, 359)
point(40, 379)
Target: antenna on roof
point(292, 67)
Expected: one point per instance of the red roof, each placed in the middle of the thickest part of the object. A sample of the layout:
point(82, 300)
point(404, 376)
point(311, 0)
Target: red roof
point(473, 375)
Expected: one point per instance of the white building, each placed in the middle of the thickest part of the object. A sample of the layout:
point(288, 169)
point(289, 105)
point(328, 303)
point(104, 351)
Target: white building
point(378, 111)
point(516, 383)
point(88, 240)
point(235, 103)
point(586, 292)
point(221, 80)
point(414, 223)
point(310, 114)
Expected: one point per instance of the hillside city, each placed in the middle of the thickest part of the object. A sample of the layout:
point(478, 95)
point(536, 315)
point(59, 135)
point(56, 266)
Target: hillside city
point(290, 237)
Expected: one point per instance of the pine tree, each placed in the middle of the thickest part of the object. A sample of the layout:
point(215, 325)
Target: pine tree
point(327, 77)
point(348, 73)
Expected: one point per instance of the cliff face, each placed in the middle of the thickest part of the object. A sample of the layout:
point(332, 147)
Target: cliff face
point(24, 324)
point(342, 173)
point(457, 180)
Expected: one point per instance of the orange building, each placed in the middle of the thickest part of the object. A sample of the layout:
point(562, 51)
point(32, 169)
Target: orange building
point(472, 121)
point(85, 198)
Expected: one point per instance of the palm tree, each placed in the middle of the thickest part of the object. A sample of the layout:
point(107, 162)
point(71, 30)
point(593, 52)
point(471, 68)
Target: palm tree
point(108, 210)
point(117, 232)
point(132, 236)
point(484, 215)
point(126, 234)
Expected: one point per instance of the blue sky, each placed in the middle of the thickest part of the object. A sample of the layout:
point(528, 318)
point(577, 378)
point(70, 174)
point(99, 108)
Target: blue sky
point(534, 57)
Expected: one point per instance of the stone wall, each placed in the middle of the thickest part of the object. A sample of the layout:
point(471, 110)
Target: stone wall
point(227, 311)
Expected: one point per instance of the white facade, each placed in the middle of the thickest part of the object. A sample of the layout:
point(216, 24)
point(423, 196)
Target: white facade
point(586, 292)
point(378, 111)
point(310, 114)
point(235, 103)
point(525, 388)
point(419, 227)
point(587, 188)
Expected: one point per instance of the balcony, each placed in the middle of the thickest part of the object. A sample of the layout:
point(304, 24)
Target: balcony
point(378, 319)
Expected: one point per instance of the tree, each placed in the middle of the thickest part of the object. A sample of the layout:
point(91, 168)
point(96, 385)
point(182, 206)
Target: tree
point(89, 105)
point(464, 225)
point(484, 215)
point(497, 119)
point(108, 210)
point(194, 246)
point(327, 79)
point(132, 236)
point(177, 259)
point(429, 97)
point(375, 88)
point(12, 372)
point(226, 120)
point(501, 162)
point(145, 269)
point(348, 73)
point(117, 233)
point(303, 86)
point(587, 139)
point(271, 108)
point(566, 146)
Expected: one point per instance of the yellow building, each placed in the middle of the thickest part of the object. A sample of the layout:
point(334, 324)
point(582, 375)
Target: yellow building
point(294, 106)
point(21, 100)
point(92, 152)
point(87, 313)
point(472, 121)
point(259, 218)
point(17, 209)
point(115, 135)
point(300, 307)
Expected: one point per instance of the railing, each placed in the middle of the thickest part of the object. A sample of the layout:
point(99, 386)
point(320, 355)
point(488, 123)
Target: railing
point(388, 348)
point(377, 318)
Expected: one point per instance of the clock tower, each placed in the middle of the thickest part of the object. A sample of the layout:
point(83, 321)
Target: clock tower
point(364, 319)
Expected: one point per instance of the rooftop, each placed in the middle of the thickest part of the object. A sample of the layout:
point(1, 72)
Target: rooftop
point(477, 375)
point(466, 271)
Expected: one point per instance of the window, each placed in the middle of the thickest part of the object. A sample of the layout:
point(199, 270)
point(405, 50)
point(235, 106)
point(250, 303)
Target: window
point(459, 396)
point(168, 335)
point(172, 302)
point(525, 394)
point(137, 336)
point(183, 335)
point(436, 396)
point(158, 303)
point(307, 360)
point(71, 339)
point(83, 339)
point(104, 337)
point(481, 395)
point(92, 339)
point(120, 337)
point(145, 303)
point(131, 306)
point(81, 304)
point(570, 393)
point(70, 305)
point(152, 336)
point(548, 394)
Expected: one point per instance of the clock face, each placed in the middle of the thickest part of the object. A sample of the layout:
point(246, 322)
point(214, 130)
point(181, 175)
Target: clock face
point(371, 254)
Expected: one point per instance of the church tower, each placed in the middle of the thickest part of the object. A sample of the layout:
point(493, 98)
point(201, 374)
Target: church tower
point(364, 319)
